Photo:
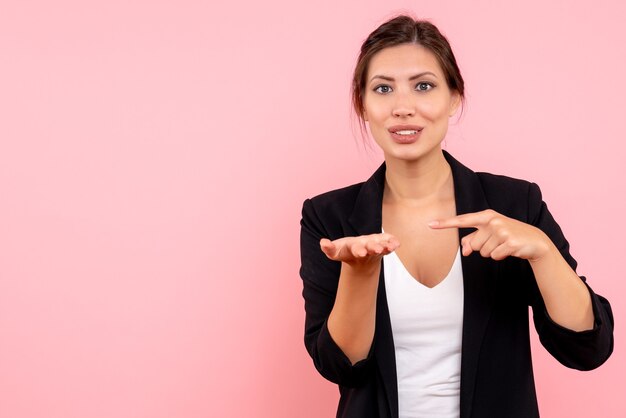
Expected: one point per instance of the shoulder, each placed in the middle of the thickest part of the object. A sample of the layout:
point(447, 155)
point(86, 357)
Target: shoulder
point(333, 203)
point(497, 182)
point(505, 194)
point(509, 195)
point(338, 212)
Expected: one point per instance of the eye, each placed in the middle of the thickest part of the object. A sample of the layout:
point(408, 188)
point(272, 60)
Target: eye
point(382, 86)
point(424, 86)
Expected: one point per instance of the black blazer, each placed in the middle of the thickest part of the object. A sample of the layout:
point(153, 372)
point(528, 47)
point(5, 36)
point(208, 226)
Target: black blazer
point(496, 369)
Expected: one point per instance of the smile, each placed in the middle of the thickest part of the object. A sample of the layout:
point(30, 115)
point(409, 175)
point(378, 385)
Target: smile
point(405, 136)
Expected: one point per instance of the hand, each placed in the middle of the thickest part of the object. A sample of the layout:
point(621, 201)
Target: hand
point(360, 250)
point(498, 236)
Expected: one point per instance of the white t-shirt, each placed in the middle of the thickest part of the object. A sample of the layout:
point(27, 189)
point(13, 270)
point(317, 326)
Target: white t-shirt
point(427, 329)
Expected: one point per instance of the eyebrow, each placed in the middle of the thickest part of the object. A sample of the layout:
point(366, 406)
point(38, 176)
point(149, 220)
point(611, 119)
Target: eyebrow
point(384, 77)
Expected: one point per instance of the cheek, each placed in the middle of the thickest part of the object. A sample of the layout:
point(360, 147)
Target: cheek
point(376, 121)
point(376, 109)
point(432, 110)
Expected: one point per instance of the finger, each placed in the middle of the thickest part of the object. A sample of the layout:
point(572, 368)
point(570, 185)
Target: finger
point(388, 240)
point(487, 248)
point(374, 247)
point(386, 236)
point(357, 249)
point(384, 239)
point(466, 248)
point(474, 241)
point(501, 252)
point(328, 247)
point(466, 220)
point(393, 244)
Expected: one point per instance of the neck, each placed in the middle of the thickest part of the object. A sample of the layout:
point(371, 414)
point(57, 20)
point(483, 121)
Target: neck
point(419, 181)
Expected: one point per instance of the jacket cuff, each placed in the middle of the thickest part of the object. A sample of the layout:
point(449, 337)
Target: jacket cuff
point(338, 365)
point(581, 350)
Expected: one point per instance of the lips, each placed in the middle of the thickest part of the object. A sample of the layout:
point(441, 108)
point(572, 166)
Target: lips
point(397, 128)
point(409, 135)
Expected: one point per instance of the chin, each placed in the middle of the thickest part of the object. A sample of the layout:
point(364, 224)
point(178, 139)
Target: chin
point(411, 152)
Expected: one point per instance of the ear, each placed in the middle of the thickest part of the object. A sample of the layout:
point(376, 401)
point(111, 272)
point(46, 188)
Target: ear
point(455, 102)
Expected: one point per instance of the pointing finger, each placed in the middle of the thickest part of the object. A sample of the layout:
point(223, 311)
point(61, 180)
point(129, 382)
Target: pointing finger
point(466, 220)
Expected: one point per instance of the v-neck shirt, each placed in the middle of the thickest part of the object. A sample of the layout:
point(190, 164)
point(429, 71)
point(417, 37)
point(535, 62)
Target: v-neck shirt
point(427, 328)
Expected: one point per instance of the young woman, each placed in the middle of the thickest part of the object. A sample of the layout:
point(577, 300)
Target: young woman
point(417, 281)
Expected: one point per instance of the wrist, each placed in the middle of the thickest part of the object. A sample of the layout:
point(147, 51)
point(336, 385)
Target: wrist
point(545, 250)
point(363, 269)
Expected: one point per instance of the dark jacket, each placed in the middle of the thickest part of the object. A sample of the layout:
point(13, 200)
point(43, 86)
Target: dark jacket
point(496, 369)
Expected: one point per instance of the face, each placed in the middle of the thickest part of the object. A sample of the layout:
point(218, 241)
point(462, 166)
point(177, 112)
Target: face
point(406, 86)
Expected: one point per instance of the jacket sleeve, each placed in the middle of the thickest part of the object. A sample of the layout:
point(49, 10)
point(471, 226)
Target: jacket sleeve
point(320, 277)
point(583, 350)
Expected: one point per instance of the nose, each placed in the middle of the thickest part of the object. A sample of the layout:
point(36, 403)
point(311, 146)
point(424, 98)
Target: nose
point(404, 106)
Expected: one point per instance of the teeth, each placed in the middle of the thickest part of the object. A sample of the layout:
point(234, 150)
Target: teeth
point(406, 132)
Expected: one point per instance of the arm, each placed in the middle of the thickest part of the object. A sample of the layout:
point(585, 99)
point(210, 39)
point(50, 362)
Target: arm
point(340, 301)
point(351, 322)
point(566, 298)
point(561, 306)
point(574, 324)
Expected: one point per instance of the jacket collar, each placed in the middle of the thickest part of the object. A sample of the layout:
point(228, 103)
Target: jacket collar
point(478, 276)
point(366, 217)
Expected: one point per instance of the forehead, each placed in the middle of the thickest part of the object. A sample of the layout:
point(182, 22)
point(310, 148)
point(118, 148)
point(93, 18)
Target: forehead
point(402, 61)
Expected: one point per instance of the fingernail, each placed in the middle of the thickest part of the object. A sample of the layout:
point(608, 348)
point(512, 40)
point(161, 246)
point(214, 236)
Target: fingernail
point(433, 223)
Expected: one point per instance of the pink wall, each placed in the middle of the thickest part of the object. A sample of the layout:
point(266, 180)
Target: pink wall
point(154, 156)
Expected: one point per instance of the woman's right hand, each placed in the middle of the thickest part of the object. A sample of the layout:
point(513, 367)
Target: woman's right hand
point(360, 251)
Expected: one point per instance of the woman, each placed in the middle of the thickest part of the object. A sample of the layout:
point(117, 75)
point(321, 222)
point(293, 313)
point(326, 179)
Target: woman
point(417, 281)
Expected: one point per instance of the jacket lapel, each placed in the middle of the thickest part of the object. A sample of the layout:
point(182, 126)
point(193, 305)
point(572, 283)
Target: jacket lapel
point(478, 276)
point(366, 218)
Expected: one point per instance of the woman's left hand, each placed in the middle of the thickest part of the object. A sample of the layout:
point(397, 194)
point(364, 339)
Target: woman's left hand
point(498, 236)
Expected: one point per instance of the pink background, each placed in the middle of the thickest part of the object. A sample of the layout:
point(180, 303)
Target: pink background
point(154, 156)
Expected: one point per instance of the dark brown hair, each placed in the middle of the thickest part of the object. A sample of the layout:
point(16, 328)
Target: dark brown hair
point(404, 29)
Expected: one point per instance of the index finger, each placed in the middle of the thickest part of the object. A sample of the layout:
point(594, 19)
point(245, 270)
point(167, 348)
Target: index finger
point(466, 220)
